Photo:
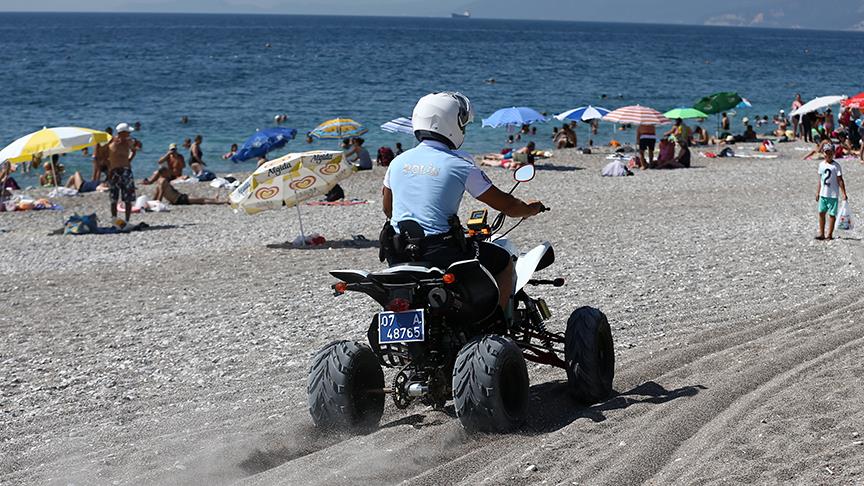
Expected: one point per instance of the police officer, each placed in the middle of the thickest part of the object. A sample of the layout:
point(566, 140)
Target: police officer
point(426, 184)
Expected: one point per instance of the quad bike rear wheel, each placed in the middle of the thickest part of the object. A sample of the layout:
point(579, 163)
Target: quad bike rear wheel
point(490, 385)
point(345, 387)
point(590, 355)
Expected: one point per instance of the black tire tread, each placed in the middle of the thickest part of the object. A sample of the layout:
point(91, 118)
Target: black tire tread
point(587, 332)
point(475, 374)
point(328, 386)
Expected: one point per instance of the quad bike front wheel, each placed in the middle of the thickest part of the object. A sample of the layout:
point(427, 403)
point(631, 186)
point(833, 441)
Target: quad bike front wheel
point(345, 387)
point(490, 385)
point(589, 355)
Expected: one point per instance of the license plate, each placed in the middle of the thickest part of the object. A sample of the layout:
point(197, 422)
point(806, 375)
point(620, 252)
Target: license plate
point(401, 327)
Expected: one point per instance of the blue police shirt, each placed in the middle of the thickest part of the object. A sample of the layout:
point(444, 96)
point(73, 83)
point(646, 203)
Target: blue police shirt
point(428, 182)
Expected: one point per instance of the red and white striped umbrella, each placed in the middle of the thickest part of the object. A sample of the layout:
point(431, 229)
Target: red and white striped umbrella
point(637, 115)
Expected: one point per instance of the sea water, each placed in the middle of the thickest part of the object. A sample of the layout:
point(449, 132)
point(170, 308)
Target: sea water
point(231, 74)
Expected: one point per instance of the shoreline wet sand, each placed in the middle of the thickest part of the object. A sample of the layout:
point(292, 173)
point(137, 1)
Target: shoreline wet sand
point(179, 354)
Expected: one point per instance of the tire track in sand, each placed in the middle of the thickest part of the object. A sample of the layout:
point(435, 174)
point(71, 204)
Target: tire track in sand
point(593, 455)
point(737, 372)
point(437, 453)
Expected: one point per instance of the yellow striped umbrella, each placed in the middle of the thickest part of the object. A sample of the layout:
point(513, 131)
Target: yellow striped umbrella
point(50, 141)
point(338, 128)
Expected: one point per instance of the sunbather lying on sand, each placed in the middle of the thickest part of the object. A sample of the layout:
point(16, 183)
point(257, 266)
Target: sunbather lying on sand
point(164, 189)
point(77, 182)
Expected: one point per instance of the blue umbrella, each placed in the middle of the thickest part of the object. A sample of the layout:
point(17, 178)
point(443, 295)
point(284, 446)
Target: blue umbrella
point(399, 125)
point(518, 115)
point(264, 141)
point(583, 113)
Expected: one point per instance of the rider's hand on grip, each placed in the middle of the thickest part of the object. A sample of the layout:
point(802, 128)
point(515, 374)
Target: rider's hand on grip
point(536, 207)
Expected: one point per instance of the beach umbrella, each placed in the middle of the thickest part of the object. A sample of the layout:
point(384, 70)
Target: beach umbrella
point(50, 141)
point(684, 113)
point(637, 115)
point(856, 101)
point(817, 104)
point(290, 180)
point(718, 102)
point(338, 128)
point(399, 125)
point(583, 113)
point(514, 116)
point(263, 142)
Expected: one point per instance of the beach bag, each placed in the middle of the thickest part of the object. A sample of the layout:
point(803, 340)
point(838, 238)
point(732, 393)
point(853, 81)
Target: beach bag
point(81, 225)
point(385, 156)
point(726, 152)
point(616, 168)
point(844, 217)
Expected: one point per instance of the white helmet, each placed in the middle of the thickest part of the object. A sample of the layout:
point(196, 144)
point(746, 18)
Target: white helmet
point(442, 117)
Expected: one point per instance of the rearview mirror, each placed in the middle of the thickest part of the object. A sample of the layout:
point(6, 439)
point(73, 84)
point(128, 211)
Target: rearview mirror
point(524, 173)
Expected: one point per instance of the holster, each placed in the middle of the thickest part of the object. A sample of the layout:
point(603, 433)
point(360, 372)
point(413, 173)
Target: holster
point(387, 241)
point(410, 243)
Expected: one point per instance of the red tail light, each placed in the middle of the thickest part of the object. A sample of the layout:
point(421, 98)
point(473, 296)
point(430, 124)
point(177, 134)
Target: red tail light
point(449, 278)
point(340, 287)
point(399, 305)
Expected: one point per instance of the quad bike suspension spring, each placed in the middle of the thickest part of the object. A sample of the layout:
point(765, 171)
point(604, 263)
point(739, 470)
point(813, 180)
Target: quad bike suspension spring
point(539, 312)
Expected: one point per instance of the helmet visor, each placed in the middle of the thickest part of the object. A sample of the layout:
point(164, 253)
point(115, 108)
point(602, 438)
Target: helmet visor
point(466, 114)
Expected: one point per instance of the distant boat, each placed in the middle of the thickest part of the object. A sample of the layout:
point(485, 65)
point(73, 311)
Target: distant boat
point(464, 15)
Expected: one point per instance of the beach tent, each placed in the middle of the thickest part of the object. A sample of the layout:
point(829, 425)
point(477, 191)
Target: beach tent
point(399, 125)
point(514, 116)
point(263, 142)
point(290, 180)
point(817, 104)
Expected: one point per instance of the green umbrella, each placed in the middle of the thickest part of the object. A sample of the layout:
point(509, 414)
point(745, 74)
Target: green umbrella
point(684, 113)
point(718, 102)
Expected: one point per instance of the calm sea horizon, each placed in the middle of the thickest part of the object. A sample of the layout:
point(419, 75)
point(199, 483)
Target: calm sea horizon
point(97, 70)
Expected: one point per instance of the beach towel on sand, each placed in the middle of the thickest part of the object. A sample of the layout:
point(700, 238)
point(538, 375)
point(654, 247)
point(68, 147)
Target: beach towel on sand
point(616, 168)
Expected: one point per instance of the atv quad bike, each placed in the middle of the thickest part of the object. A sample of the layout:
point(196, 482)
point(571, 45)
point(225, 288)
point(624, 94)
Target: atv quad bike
point(448, 339)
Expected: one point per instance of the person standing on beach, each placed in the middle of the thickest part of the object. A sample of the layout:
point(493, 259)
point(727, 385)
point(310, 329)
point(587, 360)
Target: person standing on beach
point(195, 152)
point(121, 151)
point(646, 139)
point(797, 103)
point(100, 158)
point(830, 187)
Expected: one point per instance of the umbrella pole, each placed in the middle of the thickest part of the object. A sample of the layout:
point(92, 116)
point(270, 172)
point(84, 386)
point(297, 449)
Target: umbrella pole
point(300, 219)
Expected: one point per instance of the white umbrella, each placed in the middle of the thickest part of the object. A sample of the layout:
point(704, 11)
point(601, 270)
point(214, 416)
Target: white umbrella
point(583, 113)
point(817, 104)
point(290, 180)
point(399, 125)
